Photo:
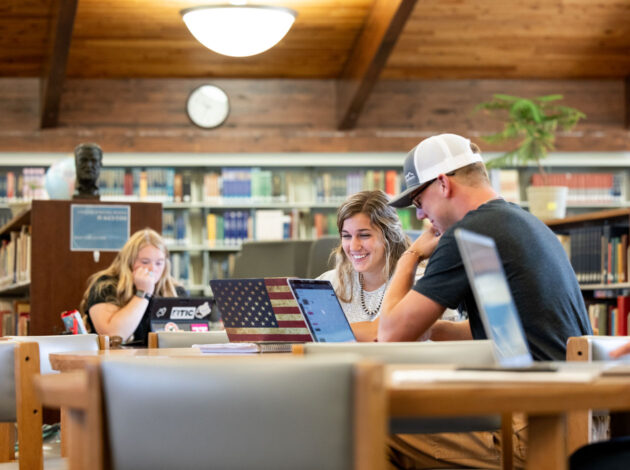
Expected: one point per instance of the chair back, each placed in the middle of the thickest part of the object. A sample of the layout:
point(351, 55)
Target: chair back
point(589, 425)
point(277, 258)
point(7, 382)
point(280, 413)
point(593, 348)
point(464, 353)
point(19, 363)
point(58, 344)
point(319, 255)
point(185, 339)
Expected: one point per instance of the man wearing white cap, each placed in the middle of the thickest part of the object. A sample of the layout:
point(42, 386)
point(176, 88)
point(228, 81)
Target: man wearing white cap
point(447, 182)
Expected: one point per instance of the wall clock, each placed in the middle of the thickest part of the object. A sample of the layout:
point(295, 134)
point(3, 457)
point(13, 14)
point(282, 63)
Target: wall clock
point(208, 106)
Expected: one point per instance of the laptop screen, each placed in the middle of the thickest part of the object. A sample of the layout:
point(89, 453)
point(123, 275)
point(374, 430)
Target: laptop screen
point(322, 311)
point(494, 300)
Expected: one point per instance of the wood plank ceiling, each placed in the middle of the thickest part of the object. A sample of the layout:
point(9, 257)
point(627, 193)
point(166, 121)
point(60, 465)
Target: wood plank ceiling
point(355, 42)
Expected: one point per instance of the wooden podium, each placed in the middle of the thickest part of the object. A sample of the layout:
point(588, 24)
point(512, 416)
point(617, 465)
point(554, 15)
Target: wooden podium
point(59, 275)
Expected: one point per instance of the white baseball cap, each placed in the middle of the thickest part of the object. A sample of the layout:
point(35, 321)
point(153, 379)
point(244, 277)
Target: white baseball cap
point(433, 156)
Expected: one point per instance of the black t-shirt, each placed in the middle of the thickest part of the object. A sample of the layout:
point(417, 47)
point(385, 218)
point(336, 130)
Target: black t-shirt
point(108, 295)
point(542, 281)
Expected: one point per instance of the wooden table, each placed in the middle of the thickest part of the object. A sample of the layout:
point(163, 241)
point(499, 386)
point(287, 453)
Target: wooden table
point(545, 403)
point(65, 362)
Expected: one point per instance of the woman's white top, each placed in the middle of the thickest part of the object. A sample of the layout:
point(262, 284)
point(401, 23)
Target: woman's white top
point(354, 310)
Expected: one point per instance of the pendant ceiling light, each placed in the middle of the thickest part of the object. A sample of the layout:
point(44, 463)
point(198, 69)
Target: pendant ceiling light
point(238, 30)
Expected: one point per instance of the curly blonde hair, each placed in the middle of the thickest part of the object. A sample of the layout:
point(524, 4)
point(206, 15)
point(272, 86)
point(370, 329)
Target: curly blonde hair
point(120, 273)
point(384, 218)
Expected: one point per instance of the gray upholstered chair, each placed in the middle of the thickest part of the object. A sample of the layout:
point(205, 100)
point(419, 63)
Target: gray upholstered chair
point(185, 339)
point(19, 363)
point(461, 353)
point(268, 413)
point(590, 425)
point(319, 255)
point(281, 258)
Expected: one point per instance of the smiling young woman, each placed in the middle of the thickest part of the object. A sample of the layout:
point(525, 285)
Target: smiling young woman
point(372, 240)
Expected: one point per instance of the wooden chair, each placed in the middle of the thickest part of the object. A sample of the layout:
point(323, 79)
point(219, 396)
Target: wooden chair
point(185, 339)
point(462, 353)
point(588, 348)
point(19, 362)
point(58, 344)
point(260, 412)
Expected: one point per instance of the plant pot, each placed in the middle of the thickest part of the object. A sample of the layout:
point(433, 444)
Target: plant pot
point(548, 202)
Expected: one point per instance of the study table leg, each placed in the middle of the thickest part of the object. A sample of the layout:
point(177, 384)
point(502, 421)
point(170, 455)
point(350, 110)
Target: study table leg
point(546, 442)
point(64, 431)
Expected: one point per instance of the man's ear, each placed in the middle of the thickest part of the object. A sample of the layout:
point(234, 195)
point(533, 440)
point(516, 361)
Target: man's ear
point(446, 185)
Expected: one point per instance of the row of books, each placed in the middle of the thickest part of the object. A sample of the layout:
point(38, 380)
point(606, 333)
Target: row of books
point(27, 184)
point(586, 188)
point(15, 257)
point(610, 318)
point(182, 269)
point(325, 223)
point(231, 227)
point(15, 317)
point(255, 184)
point(598, 254)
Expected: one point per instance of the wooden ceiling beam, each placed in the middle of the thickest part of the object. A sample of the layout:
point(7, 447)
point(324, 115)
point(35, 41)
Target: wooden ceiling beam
point(54, 71)
point(375, 42)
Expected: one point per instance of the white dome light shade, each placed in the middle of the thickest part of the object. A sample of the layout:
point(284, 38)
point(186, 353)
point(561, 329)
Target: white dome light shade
point(238, 31)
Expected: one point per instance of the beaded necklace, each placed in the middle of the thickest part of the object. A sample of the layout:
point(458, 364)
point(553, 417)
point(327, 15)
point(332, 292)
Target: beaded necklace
point(363, 306)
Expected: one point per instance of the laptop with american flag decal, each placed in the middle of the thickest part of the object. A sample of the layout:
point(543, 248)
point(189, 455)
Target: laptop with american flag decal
point(265, 310)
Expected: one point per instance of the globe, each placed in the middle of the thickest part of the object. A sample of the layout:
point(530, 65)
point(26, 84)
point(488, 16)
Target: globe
point(60, 177)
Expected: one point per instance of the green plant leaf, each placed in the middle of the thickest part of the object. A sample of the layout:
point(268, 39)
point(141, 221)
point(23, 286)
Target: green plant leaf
point(534, 121)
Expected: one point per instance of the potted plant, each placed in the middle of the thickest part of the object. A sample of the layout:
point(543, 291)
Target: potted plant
point(534, 121)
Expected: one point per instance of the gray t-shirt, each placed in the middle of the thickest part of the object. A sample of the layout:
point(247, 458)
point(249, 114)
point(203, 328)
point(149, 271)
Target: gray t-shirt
point(541, 279)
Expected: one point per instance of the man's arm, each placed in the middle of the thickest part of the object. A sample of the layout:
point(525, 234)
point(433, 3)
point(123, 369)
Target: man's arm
point(409, 319)
point(620, 351)
point(406, 314)
point(444, 330)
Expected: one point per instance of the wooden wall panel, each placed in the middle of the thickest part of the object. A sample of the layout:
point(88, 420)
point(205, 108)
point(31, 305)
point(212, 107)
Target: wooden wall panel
point(289, 115)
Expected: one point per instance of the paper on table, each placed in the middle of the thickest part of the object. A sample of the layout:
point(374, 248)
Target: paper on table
point(439, 375)
point(228, 348)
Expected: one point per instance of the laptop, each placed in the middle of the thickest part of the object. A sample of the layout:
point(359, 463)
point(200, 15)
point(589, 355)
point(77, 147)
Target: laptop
point(180, 313)
point(279, 312)
point(496, 306)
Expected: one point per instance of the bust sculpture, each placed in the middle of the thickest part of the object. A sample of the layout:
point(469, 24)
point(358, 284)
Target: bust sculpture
point(88, 158)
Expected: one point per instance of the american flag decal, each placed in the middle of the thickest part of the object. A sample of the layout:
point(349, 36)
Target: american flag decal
point(260, 310)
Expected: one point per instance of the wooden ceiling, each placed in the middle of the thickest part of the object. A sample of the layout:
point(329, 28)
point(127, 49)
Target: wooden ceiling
point(353, 41)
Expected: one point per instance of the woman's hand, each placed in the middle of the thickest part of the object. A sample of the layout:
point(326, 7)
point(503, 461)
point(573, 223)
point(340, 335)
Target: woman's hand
point(144, 279)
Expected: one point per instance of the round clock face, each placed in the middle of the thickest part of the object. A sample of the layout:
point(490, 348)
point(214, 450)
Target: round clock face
point(208, 106)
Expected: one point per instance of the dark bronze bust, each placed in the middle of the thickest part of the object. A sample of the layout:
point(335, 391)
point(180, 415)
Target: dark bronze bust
point(88, 159)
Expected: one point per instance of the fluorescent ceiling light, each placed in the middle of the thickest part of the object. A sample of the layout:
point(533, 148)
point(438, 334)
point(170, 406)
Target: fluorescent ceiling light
point(238, 30)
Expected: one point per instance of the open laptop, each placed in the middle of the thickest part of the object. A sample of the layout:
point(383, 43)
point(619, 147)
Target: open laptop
point(279, 312)
point(496, 306)
point(180, 313)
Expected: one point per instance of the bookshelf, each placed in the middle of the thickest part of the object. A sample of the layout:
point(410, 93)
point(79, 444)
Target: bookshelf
point(295, 194)
point(597, 246)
